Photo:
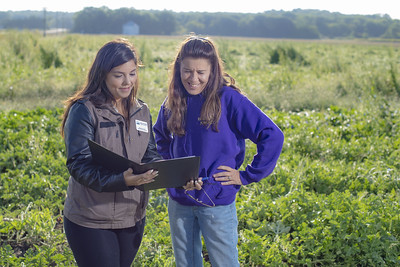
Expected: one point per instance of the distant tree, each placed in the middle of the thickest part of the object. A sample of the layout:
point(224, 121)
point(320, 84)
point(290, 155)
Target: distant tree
point(196, 27)
point(258, 26)
point(357, 27)
point(393, 31)
point(166, 21)
point(280, 27)
point(299, 23)
point(224, 24)
point(307, 32)
point(31, 22)
point(146, 22)
point(92, 20)
point(376, 28)
point(322, 26)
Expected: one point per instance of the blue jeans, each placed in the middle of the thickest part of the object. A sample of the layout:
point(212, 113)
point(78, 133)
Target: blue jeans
point(219, 228)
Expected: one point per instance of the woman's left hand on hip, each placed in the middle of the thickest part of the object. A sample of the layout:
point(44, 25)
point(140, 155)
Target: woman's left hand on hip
point(228, 176)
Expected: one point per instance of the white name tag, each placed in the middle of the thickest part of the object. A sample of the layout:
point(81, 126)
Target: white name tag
point(142, 126)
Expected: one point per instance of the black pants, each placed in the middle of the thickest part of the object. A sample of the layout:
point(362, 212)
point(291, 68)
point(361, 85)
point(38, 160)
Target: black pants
point(104, 247)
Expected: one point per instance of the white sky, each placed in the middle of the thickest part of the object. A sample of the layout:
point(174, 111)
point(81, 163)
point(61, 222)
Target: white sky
point(362, 7)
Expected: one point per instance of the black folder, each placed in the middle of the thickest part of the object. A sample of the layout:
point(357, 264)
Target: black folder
point(171, 173)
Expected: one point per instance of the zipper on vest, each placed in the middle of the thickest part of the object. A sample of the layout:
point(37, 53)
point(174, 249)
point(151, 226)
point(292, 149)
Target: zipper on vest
point(139, 109)
point(121, 128)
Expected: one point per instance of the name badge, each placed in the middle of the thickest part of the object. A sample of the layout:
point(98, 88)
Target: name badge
point(142, 126)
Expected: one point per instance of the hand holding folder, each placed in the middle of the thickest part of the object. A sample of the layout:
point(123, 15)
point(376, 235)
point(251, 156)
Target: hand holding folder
point(171, 173)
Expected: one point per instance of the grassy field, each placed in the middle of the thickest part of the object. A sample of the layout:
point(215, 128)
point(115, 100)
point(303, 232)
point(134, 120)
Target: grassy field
point(333, 199)
point(312, 75)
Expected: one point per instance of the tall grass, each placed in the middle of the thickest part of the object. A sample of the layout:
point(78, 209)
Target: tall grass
point(282, 74)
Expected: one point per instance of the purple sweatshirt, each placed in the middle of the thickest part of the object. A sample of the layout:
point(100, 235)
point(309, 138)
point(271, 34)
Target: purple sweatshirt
point(240, 120)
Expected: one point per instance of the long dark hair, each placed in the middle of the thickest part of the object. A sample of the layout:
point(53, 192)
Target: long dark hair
point(111, 55)
point(196, 47)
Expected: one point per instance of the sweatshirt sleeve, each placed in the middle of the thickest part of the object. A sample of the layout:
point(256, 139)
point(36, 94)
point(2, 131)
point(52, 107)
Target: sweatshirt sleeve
point(151, 153)
point(162, 134)
point(78, 129)
point(252, 123)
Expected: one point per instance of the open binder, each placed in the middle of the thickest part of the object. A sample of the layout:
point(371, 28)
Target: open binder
point(171, 173)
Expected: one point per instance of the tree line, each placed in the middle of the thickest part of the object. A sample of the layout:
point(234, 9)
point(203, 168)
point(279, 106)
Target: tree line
point(299, 23)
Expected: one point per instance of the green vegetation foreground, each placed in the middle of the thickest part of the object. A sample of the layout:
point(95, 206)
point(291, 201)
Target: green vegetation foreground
point(332, 200)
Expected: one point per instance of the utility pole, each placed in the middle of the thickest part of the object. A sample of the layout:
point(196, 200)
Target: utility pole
point(44, 22)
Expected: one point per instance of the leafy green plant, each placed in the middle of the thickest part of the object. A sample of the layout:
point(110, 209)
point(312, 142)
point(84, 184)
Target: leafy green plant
point(332, 200)
point(280, 55)
point(50, 58)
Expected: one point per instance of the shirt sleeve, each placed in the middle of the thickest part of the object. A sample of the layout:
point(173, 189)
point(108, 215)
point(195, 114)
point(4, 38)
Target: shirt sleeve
point(78, 129)
point(162, 134)
point(253, 124)
point(151, 151)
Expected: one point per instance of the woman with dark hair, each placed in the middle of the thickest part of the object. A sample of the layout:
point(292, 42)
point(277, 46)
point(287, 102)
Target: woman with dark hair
point(104, 214)
point(205, 114)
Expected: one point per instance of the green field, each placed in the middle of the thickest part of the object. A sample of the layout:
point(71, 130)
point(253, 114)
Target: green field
point(333, 199)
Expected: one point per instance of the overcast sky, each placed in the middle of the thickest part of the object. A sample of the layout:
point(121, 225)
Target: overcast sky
point(362, 7)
